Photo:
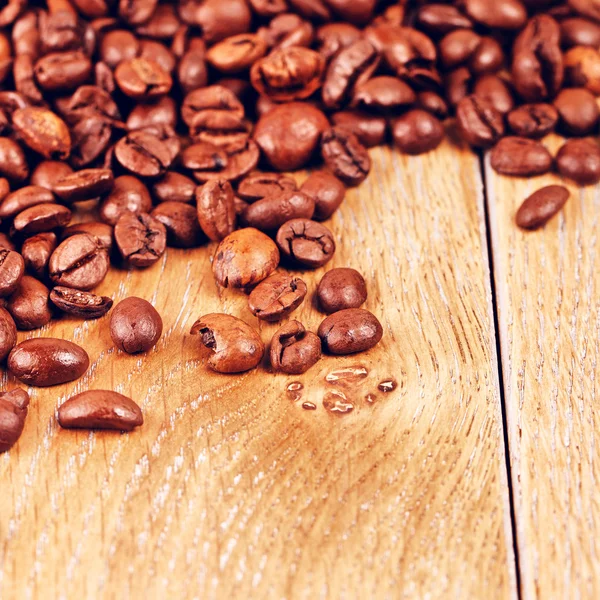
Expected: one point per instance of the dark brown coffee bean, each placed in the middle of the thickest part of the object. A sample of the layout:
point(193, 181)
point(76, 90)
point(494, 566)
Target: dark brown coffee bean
point(25, 83)
point(143, 154)
point(240, 161)
point(306, 242)
point(36, 252)
point(43, 362)
point(326, 190)
point(357, 13)
point(488, 57)
point(13, 163)
point(494, 90)
point(276, 297)
point(181, 222)
point(259, 185)
point(369, 129)
point(100, 409)
point(457, 47)
point(102, 231)
point(77, 303)
point(236, 53)
point(349, 331)
point(13, 411)
point(433, 103)
point(541, 206)
point(11, 271)
point(272, 212)
point(141, 239)
point(213, 97)
point(142, 79)
point(161, 112)
point(84, 185)
point(191, 71)
point(80, 262)
point(496, 14)
point(479, 123)
point(417, 131)
point(582, 68)
point(576, 31)
point(287, 30)
point(28, 305)
point(40, 218)
point(128, 194)
point(43, 131)
point(578, 111)
point(234, 346)
point(25, 197)
point(174, 187)
point(345, 156)
point(244, 258)
point(289, 134)
point(135, 325)
point(383, 94)
point(441, 18)
point(163, 24)
point(8, 334)
point(216, 209)
point(157, 52)
point(218, 19)
point(92, 101)
point(293, 349)
point(579, 160)
point(204, 156)
point(332, 37)
point(62, 71)
point(533, 120)
point(118, 45)
point(521, 157)
point(341, 288)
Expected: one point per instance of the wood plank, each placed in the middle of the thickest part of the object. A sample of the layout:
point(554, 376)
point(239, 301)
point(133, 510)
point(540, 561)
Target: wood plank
point(231, 489)
point(548, 291)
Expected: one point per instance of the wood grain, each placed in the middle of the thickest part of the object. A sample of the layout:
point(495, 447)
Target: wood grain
point(548, 290)
point(231, 489)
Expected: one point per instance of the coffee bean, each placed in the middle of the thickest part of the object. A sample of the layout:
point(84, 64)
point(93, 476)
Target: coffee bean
point(417, 131)
point(332, 37)
point(163, 23)
point(345, 156)
point(136, 12)
point(495, 91)
point(25, 197)
point(240, 161)
point(211, 97)
point(84, 185)
point(496, 14)
point(431, 102)
point(293, 349)
point(326, 190)
point(582, 68)
point(306, 242)
point(13, 411)
point(181, 222)
point(143, 154)
point(479, 123)
point(579, 160)
point(341, 288)
point(8, 334)
point(13, 163)
point(135, 325)
point(576, 31)
point(28, 305)
point(276, 296)
point(161, 112)
point(102, 231)
point(36, 252)
point(128, 194)
point(369, 129)
point(577, 110)
point(12, 267)
point(236, 53)
point(383, 94)
point(541, 206)
point(350, 330)
point(233, 345)
point(43, 131)
point(216, 209)
point(533, 120)
point(218, 19)
point(457, 47)
point(44, 362)
point(79, 303)
point(142, 79)
point(141, 239)
point(521, 157)
point(257, 186)
point(118, 45)
point(40, 218)
point(272, 212)
point(457, 85)
point(62, 71)
point(440, 18)
point(174, 187)
point(220, 128)
point(244, 258)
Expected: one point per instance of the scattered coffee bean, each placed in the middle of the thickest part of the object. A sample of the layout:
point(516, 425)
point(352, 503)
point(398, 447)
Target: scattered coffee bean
point(28, 305)
point(13, 163)
point(326, 190)
point(216, 209)
point(306, 242)
point(521, 157)
point(8, 333)
point(577, 110)
point(345, 156)
point(12, 267)
point(369, 129)
point(276, 296)
point(581, 68)
point(128, 194)
point(40, 218)
point(541, 206)
point(579, 160)
point(174, 187)
point(349, 331)
point(533, 120)
point(293, 349)
point(13, 411)
point(43, 131)
point(417, 131)
point(480, 124)
point(102, 231)
point(141, 239)
point(181, 222)
point(272, 212)
point(80, 304)
point(135, 325)
point(341, 288)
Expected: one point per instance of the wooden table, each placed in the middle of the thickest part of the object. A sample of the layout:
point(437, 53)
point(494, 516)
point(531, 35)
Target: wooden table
point(477, 474)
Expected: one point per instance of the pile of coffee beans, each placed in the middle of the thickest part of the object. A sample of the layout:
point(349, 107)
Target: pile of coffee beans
point(177, 120)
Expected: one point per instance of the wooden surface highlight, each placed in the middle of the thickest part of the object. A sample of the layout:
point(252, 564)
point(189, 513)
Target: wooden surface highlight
point(230, 489)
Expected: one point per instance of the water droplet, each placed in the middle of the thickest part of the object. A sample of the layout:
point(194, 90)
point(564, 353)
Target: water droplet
point(309, 406)
point(371, 398)
point(387, 385)
point(336, 402)
point(347, 374)
point(294, 391)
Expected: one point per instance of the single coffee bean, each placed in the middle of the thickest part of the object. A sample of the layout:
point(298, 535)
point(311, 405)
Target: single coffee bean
point(181, 222)
point(440, 19)
point(493, 89)
point(44, 362)
point(40, 218)
point(204, 156)
point(541, 206)
point(582, 68)
point(25, 197)
point(234, 346)
point(8, 334)
point(578, 111)
point(293, 349)
point(306, 242)
point(272, 212)
point(220, 128)
point(135, 325)
point(13, 411)
point(240, 161)
point(417, 132)
point(236, 53)
point(257, 186)
point(286, 30)
point(433, 103)
point(36, 252)
point(496, 14)
point(326, 190)
point(174, 187)
point(345, 156)
point(457, 47)
point(576, 31)
point(102, 231)
point(118, 45)
point(143, 154)
point(62, 71)
point(341, 288)
point(369, 129)
point(142, 79)
point(28, 305)
point(479, 123)
point(216, 209)
point(160, 112)
point(84, 185)
point(579, 160)
point(350, 330)
point(13, 163)
point(80, 261)
point(141, 239)
point(128, 194)
point(332, 37)
point(100, 409)
point(80, 304)
point(533, 120)
point(383, 94)
point(244, 258)
point(43, 131)
point(276, 296)
point(211, 97)
point(12, 268)
point(521, 157)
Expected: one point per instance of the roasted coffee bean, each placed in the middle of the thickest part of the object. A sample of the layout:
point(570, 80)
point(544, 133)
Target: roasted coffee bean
point(341, 288)
point(417, 131)
point(480, 124)
point(233, 345)
point(289, 134)
point(204, 156)
point(287, 29)
point(582, 68)
point(43, 362)
point(431, 102)
point(218, 19)
point(576, 31)
point(306, 242)
point(236, 53)
point(220, 128)
point(80, 262)
point(28, 305)
point(579, 160)
point(43, 131)
point(100, 409)
point(141, 239)
point(102, 231)
point(62, 71)
point(118, 45)
point(383, 94)
point(369, 129)
point(240, 161)
point(440, 19)
point(142, 78)
point(40, 218)
point(36, 252)
point(293, 349)
point(181, 222)
point(533, 120)
point(216, 209)
point(541, 206)
point(272, 212)
point(345, 156)
point(586, 8)
point(494, 90)
point(457, 85)
point(521, 157)
point(276, 297)
point(244, 258)
point(332, 37)
point(191, 70)
point(160, 112)
point(25, 197)
point(174, 187)
point(92, 101)
point(326, 190)
point(8, 334)
point(578, 111)
point(214, 97)
point(11, 271)
point(135, 325)
point(259, 185)
point(79, 303)
point(13, 163)
point(350, 330)
point(163, 24)
point(13, 411)
point(84, 185)
point(457, 47)
point(496, 14)
point(143, 154)
point(128, 194)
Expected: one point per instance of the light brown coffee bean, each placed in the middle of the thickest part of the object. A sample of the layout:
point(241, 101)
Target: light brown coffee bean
point(541, 206)
point(216, 209)
point(293, 349)
point(43, 131)
point(135, 325)
point(349, 331)
point(80, 304)
point(276, 296)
